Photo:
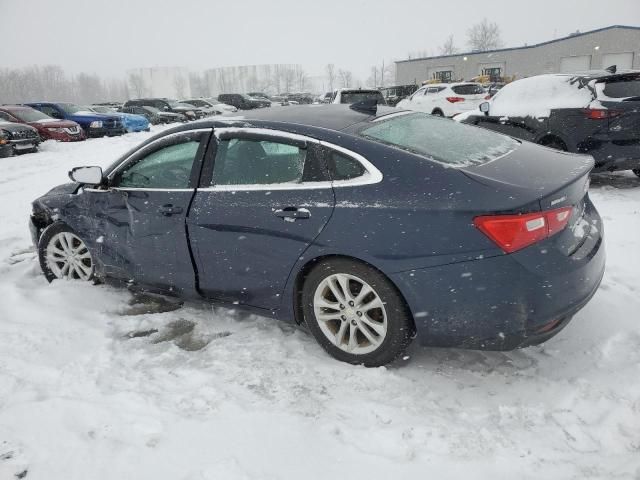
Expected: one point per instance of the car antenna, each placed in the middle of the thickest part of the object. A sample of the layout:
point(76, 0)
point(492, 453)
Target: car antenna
point(366, 106)
point(612, 69)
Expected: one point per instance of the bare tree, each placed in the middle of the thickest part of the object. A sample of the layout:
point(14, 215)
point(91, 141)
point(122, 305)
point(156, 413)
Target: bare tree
point(301, 78)
point(288, 75)
point(373, 80)
point(136, 83)
point(448, 47)
point(484, 36)
point(179, 83)
point(331, 75)
point(346, 77)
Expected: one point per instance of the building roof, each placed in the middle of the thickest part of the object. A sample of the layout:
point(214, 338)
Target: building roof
point(573, 35)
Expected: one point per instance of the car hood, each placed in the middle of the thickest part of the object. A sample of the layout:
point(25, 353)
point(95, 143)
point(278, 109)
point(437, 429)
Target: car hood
point(64, 189)
point(86, 116)
point(53, 123)
point(183, 109)
point(15, 127)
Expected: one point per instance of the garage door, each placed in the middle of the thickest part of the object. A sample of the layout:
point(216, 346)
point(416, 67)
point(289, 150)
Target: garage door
point(575, 64)
point(621, 60)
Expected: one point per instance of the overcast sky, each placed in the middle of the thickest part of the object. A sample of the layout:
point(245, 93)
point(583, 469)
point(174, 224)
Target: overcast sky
point(109, 36)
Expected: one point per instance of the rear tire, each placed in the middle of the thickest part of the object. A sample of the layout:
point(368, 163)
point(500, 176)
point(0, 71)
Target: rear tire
point(355, 313)
point(64, 255)
point(437, 112)
point(636, 171)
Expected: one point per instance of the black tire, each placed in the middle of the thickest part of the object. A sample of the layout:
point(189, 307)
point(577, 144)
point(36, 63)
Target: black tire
point(554, 142)
point(48, 235)
point(437, 112)
point(636, 171)
point(399, 323)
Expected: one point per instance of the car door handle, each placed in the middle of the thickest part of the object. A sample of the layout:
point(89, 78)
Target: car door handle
point(292, 212)
point(168, 210)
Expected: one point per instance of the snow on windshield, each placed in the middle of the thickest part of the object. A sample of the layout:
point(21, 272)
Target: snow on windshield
point(537, 96)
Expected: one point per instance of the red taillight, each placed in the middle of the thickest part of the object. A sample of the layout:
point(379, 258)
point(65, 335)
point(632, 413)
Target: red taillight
point(600, 113)
point(455, 99)
point(488, 97)
point(515, 232)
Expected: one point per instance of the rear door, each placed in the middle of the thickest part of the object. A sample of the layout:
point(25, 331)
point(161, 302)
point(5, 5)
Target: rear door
point(259, 206)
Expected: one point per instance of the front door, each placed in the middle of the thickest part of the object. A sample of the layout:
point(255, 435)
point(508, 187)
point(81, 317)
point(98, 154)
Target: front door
point(141, 218)
point(267, 199)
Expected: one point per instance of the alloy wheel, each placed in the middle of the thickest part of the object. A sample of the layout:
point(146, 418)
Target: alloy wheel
point(68, 257)
point(350, 313)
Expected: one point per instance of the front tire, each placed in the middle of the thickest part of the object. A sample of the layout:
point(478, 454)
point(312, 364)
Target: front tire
point(636, 171)
point(355, 313)
point(64, 255)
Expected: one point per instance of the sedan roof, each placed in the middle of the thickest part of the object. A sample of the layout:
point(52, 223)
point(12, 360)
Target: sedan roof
point(333, 117)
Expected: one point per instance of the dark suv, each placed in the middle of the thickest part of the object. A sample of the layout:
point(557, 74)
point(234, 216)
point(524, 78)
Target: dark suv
point(243, 102)
point(166, 105)
point(597, 113)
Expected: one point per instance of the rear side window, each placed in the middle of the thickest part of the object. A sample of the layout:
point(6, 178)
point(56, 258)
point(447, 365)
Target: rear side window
point(242, 161)
point(623, 89)
point(342, 167)
point(468, 89)
point(441, 140)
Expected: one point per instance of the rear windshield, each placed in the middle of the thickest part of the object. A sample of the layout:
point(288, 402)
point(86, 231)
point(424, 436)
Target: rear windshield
point(440, 139)
point(624, 89)
point(468, 89)
point(355, 97)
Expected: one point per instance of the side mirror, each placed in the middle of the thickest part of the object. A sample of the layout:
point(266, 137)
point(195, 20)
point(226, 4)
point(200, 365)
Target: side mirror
point(86, 175)
point(484, 107)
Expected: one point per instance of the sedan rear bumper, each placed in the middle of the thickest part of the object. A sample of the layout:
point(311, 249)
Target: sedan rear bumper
point(499, 303)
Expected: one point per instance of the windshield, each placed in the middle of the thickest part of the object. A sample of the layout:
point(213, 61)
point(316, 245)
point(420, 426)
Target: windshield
point(30, 115)
point(71, 108)
point(431, 137)
point(622, 89)
point(356, 97)
point(176, 104)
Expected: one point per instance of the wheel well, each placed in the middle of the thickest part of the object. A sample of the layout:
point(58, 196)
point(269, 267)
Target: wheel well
point(310, 265)
point(550, 138)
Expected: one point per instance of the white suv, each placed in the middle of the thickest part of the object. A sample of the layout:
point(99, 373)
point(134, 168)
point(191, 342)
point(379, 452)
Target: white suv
point(445, 99)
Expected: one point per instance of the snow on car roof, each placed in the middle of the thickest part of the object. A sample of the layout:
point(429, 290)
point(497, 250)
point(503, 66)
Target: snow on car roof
point(537, 96)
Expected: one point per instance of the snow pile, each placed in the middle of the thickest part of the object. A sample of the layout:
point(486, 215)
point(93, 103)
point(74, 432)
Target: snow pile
point(537, 96)
point(97, 384)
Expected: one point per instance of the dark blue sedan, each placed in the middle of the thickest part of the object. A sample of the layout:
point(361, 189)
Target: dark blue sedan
point(369, 226)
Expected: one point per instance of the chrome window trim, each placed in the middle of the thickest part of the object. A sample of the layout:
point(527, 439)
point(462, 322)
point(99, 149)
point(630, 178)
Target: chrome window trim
point(149, 145)
point(372, 175)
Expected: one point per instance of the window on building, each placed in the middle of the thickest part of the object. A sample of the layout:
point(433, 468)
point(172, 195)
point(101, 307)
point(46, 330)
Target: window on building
point(494, 73)
point(444, 76)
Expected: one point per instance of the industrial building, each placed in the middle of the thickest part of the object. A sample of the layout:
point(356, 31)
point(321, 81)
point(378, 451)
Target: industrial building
point(615, 45)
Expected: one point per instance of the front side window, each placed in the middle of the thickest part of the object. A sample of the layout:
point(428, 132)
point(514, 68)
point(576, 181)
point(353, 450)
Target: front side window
point(432, 138)
point(167, 167)
point(242, 161)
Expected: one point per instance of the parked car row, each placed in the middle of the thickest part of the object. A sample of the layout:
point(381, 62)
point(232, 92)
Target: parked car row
point(24, 127)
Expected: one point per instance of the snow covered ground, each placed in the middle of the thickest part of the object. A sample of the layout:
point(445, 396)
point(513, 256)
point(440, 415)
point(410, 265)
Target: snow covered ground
point(213, 394)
